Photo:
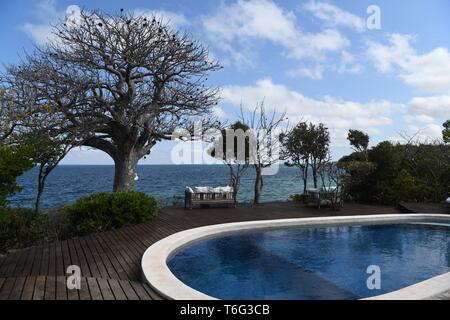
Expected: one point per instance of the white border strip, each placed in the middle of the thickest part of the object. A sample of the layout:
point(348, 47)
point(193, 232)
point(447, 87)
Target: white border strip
point(158, 275)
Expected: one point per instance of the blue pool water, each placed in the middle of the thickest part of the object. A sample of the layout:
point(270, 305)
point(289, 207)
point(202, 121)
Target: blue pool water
point(313, 263)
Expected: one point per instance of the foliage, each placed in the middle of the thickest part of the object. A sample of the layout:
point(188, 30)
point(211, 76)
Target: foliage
point(20, 227)
point(333, 177)
point(46, 153)
point(405, 186)
point(104, 211)
point(264, 151)
point(14, 161)
point(297, 197)
point(306, 146)
point(446, 131)
point(119, 83)
point(237, 159)
point(400, 172)
point(358, 140)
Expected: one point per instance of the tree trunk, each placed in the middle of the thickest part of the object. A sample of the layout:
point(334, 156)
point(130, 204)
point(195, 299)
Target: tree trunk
point(258, 185)
point(125, 171)
point(305, 178)
point(40, 189)
point(314, 173)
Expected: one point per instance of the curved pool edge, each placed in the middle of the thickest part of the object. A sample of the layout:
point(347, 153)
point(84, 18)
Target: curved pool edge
point(157, 274)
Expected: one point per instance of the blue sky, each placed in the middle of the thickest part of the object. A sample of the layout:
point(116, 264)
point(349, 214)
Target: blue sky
point(315, 60)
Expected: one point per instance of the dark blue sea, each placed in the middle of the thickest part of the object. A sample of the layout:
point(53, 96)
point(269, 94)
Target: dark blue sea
point(165, 182)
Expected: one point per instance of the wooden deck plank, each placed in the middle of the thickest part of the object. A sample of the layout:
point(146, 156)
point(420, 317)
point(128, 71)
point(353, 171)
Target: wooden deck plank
point(102, 259)
point(105, 289)
point(52, 259)
point(61, 288)
point(117, 261)
point(140, 291)
point(28, 265)
point(28, 288)
point(7, 288)
point(45, 261)
point(90, 259)
point(16, 292)
point(37, 261)
point(84, 292)
point(50, 288)
point(39, 288)
point(128, 290)
point(82, 262)
point(67, 260)
point(94, 289)
point(59, 260)
point(116, 289)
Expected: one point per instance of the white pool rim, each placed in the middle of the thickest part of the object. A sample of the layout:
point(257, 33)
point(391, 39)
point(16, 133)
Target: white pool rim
point(157, 274)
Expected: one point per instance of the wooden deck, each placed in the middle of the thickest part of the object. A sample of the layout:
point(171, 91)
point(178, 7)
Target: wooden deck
point(413, 207)
point(110, 261)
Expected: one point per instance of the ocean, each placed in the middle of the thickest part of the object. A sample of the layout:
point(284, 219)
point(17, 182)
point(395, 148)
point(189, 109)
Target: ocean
point(67, 183)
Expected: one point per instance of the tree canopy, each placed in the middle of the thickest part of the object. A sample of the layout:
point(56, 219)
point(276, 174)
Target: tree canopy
point(118, 83)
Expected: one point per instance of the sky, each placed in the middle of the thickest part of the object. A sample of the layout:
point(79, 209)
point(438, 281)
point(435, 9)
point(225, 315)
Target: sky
point(319, 61)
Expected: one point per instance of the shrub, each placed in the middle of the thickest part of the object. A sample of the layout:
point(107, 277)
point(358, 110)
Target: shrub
point(104, 211)
point(405, 187)
point(21, 228)
point(397, 172)
point(297, 197)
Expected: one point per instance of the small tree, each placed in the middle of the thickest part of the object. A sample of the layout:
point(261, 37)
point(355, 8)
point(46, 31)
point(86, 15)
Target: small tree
point(14, 161)
point(333, 178)
point(319, 144)
point(446, 131)
point(295, 151)
point(306, 146)
point(46, 153)
point(235, 155)
point(266, 151)
point(359, 141)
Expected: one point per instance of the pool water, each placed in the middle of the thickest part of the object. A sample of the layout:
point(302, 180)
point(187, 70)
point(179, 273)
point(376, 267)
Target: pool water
point(314, 262)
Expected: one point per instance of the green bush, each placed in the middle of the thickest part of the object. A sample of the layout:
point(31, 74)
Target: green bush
point(399, 172)
point(297, 197)
point(105, 211)
point(406, 187)
point(21, 228)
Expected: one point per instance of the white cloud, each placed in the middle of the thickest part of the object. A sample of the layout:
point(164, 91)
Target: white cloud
point(339, 115)
point(233, 27)
point(175, 20)
point(434, 106)
point(349, 64)
point(315, 72)
point(47, 14)
point(429, 72)
point(220, 113)
point(425, 133)
point(334, 16)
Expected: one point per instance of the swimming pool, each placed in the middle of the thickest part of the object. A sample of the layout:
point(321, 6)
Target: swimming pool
point(301, 260)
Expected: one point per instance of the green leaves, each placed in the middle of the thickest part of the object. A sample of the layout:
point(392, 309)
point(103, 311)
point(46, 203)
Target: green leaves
point(14, 161)
point(446, 132)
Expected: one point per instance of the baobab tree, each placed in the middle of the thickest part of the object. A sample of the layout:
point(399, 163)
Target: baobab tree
point(118, 83)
